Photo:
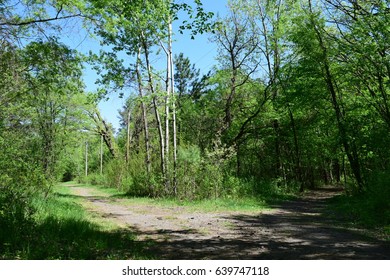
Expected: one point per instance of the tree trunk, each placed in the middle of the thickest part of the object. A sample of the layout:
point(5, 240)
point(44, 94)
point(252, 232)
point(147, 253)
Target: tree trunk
point(170, 100)
point(350, 150)
point(298, 166)
point(127, 157)
point(172, 81)
point(86, 158)
point(168, 89)
point(104, 130)
point(101, 155)
point(278, 165)
point(155, 104)
point(144, 114)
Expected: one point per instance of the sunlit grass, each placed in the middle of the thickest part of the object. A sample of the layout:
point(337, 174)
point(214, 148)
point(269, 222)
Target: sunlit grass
point(206, 205)
point(61, 228)
point(217, 205)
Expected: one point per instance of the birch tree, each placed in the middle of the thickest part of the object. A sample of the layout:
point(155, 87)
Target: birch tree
point(142, 30)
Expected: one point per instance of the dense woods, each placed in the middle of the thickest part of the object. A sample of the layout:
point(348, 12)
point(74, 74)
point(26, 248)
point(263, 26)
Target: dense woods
point(298, 98)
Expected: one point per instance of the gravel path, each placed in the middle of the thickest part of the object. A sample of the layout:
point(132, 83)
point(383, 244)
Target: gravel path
point(293, 230)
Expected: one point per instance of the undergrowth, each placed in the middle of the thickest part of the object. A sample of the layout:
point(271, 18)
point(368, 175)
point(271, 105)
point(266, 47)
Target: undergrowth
point(370, 209)
point(61, 229)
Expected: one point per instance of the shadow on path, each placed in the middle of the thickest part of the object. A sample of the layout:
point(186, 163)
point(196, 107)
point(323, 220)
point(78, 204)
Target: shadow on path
point(293, 230)
point(296, 229)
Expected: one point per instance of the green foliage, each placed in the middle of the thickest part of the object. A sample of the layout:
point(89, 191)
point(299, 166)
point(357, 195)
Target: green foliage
point(369, 209)
point(20, 181)
point(209, 177)
point(379, 198)
point(200, 177)
point(189, 162)
point(114, 174)
point(55, 91)
point(69, 169)
point(132, 178)
point(95, 179)
point(300, 99)
point(61, 229)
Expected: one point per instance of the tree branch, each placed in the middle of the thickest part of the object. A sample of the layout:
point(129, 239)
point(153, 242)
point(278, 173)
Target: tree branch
point(23, 23)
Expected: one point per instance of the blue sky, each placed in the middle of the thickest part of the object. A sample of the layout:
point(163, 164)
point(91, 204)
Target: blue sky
point(200, 51)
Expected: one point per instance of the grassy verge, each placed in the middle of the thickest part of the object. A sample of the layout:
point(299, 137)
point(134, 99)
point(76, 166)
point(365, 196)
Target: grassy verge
point(218, 205)
point(61, 229)
point(206, 205)
point(364, 211)
point(370, 209)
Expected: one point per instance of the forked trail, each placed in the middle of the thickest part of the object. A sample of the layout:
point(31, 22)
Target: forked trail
point(292, 230)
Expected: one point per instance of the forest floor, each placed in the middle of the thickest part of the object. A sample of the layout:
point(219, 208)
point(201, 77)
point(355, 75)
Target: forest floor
point(295, 229)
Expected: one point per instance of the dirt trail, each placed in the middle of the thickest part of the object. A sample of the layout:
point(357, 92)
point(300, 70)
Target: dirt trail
point(293, 230)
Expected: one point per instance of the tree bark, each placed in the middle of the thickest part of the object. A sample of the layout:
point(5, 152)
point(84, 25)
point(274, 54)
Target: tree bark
point(104, 130)
point(128, 119)
point(172, 81)
point(144, 114)
point(155, 104)
point(298, 166)
point(350, 149)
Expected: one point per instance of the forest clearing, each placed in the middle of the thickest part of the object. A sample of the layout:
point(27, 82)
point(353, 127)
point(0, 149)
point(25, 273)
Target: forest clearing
point(265, 137)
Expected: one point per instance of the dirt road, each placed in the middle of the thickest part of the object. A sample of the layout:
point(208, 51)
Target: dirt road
point(293, 230)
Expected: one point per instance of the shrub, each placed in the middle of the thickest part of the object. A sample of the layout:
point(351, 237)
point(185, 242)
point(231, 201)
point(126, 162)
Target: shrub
point(370, 208)
point(235, 187)
point(96, 179)
point(377, 201)
point(114, 173)
point(20, 182)
point(131, 177)
point(189, 166)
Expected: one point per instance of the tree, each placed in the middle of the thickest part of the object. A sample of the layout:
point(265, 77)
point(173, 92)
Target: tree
point(187, 77)
point(240, 42)
point(143, 29)
point(364, 51)
point(105, 130)
point(54, 80)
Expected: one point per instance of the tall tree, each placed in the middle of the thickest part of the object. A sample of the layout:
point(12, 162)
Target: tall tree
point(54, 80)
point(239, 45)
point(146, 26)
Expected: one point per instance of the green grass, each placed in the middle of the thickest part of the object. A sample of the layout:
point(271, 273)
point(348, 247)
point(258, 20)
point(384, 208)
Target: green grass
point(61, 229)
point(206, 205)
point(364, 210)
point(97, 190)
point(217, 205)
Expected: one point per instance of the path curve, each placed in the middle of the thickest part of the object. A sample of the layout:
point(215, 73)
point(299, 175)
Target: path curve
point(293, 230)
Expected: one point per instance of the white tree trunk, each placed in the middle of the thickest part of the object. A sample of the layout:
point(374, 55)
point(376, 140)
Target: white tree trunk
point(157, 114)
point(144, 114)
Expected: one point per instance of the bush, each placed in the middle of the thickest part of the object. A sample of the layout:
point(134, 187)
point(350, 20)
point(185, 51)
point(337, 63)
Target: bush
point(377, 202)
point(96, 179)
point(131, 177)
point(19, 184)
point(235, 187)
point(189, 166)
point(70, 170)
point(368, 209)
point(114, 173)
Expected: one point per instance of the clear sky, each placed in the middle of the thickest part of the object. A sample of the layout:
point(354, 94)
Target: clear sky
point(200, 51)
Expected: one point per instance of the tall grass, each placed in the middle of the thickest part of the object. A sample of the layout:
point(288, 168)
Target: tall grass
point(61, 229)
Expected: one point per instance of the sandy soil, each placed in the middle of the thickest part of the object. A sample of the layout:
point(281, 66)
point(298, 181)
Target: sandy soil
point(292, 230)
